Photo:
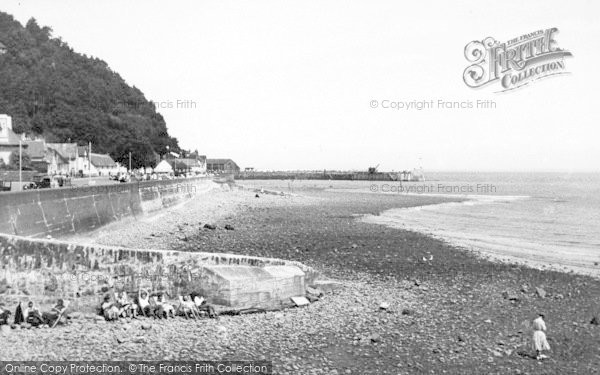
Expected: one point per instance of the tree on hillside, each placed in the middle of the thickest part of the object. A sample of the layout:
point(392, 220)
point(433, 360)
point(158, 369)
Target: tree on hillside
point(52, 91)
point(13, 162)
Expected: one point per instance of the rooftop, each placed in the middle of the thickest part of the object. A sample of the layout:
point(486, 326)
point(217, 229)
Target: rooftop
point(67, 151)
point(219, 161)
point(102, 160)
point(184, 163)
point(12, 140)
point(36, 149)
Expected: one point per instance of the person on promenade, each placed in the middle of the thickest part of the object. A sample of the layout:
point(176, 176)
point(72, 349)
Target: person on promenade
point(539, 337)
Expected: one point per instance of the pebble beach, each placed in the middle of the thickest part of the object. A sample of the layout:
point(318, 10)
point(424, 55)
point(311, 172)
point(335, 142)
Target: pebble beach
point(447, 310)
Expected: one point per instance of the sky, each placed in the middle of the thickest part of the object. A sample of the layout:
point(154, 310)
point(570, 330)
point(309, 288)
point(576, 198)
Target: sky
point(286, 85)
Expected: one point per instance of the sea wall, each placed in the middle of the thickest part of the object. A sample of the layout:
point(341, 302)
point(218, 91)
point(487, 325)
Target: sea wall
point(36, 268)
point(48, 269)
point(68, 211)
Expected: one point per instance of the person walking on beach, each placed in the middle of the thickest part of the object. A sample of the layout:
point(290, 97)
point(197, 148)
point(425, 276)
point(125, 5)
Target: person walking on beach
point(539, 337)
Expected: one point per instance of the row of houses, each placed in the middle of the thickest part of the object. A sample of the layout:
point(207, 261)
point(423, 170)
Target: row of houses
point(54, 158)
point(196, 165)
point(72, 160)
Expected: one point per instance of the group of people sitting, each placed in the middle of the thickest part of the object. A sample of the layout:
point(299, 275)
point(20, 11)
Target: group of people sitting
point(154, 305)
point(33, 316)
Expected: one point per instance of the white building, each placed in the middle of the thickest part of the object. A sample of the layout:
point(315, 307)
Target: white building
point(105, 165)
point(102, 164)
point(188, 165)
point(62, 158)
point(9, 141)
point(163, 168)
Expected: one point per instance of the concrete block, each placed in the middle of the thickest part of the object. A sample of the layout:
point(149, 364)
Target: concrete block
point(247, 286)
point(300, 301)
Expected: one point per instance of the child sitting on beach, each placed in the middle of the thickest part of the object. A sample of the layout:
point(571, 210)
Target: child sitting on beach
point(4, 314)
point(187, 307)
point(144, 303)
point(162, 309)
point(167, 308)
point(156, 307)
point(32, 315)
point(51, 316)
point(201, 305)
point(126, 306)
point(109, 309)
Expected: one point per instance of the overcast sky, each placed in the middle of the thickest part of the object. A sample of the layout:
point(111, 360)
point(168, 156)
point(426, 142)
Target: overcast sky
point(288, 85)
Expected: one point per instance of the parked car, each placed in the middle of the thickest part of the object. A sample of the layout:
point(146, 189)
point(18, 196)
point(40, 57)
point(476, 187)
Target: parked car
point(123, 177)
point(44, 182)
point(39, 182)
point(5, 185)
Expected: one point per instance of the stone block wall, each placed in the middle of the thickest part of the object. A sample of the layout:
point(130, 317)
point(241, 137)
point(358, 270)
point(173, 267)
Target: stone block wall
point(50, 269)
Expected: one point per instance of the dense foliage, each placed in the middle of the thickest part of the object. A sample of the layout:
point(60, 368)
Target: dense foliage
point(14, 162)
point(64, 96)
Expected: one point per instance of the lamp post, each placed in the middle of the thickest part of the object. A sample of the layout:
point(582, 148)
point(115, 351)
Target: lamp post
point(20, 165)
point(90, 163)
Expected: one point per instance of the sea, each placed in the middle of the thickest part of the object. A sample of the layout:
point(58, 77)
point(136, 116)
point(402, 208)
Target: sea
point(542, 218)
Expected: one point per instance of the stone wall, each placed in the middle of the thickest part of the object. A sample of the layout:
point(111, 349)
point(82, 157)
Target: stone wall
point(50, 269)
point(47, 269)
point(67, 211)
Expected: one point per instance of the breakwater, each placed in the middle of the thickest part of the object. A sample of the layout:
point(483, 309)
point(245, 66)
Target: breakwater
point(332, 175)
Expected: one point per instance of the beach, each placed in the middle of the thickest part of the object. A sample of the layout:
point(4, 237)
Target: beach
point(450, 309)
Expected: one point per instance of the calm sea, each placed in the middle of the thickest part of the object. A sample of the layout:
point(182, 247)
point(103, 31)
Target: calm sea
point(548, 217)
